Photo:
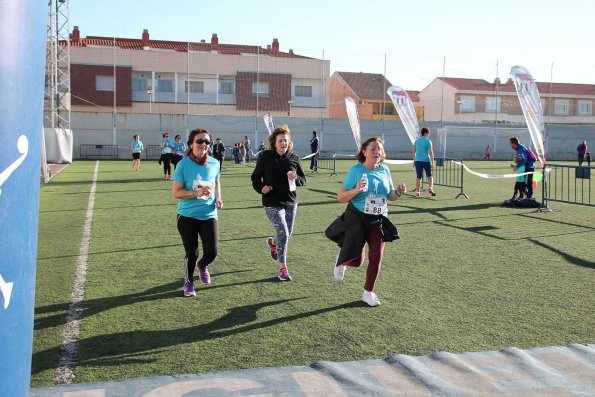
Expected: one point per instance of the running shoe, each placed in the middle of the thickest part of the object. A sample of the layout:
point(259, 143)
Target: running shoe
point(272, 247)
point(205, 277)
point(433, 193)
point(189, 289)
point(371, 299)
point(339, 271)
point(284, 275)
point(417, 193)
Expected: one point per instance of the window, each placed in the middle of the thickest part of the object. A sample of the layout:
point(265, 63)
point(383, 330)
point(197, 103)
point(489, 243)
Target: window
point(493, 104)
point(467, 104)
point(260, 88)
point(165, 85)
point(139, 85)
point(562, 106)
point(104, 83)
point(585, 108)
point(194, 86)
point(303, 90)
point(227, 85)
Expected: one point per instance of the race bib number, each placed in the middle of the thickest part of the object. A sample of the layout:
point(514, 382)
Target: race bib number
point(375, 205)
point(167, 149)
point(197, 184)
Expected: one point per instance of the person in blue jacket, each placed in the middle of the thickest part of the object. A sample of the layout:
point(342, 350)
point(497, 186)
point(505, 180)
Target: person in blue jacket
point(197, 185)
point(527, 160)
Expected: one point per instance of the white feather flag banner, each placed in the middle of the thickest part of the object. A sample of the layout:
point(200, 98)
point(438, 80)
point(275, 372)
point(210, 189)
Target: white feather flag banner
point(406, 111)
point(526, 89)
point(268, 122)
point(351, 108)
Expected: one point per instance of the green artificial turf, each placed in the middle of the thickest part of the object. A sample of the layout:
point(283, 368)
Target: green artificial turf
point(467, 275)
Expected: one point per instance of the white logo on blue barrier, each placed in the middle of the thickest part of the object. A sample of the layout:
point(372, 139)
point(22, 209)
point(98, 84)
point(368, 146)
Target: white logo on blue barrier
point(6, 289)
point(23, 148)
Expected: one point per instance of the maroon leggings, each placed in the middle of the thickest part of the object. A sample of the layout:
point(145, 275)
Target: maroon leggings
point(375, 253)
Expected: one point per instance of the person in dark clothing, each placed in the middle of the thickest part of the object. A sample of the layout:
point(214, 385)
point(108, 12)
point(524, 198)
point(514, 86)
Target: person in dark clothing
point(582, 149)
point(314, 147)
point(526, 160)
point(219, 152)
point(277, 174)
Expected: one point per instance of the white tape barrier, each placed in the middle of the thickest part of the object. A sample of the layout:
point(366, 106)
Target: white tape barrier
point(495, 176)
point(398, 162)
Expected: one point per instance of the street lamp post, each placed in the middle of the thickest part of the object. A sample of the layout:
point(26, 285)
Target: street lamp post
point(150, 92)
point(289, 112)
point(459, 102)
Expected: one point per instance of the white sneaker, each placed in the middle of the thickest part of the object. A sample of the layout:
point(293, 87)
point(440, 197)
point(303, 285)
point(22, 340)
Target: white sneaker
point(371, 299)
point(339, 271)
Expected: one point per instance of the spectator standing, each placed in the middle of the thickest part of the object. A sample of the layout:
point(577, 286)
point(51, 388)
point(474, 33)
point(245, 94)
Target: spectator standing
point(488, 154)
point(582, 149)
point(219, 152)
point(314, 148)
point(248, 148)
point(527, 160)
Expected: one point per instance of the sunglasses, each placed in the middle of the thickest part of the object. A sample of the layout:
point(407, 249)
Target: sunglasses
point(200, 141)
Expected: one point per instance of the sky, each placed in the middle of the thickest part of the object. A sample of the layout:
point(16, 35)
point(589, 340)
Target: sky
point(411, 42)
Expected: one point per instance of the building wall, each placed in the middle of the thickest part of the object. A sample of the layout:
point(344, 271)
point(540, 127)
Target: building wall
point(82, 85)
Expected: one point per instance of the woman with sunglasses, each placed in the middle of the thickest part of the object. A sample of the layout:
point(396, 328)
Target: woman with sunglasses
point(167, 149)
point(197, 185)
point(275, 177)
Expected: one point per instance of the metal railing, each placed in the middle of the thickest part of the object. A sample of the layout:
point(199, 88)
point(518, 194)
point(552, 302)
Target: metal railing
point(568, 184)
point(448, 173)
point(325, 161)
point(98, 152)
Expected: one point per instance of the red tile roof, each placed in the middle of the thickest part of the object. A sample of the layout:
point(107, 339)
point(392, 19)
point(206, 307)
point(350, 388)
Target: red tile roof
point(543, 87)
point(368, 86)
point(180, 46)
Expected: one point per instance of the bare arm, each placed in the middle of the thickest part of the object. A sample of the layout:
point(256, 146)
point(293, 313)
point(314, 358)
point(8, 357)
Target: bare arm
point(218, 198)
point(344, 195)
point(178, 191)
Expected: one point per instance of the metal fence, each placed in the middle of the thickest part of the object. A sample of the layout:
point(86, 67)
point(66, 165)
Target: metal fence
point(568, 184)
point(326, 161)
point(449, 172)
point(98, 151)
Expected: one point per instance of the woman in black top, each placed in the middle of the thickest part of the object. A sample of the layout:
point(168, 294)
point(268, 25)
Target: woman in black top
point(277, 173)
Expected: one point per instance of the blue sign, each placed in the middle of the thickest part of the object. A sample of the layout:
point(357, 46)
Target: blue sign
point(22, 68)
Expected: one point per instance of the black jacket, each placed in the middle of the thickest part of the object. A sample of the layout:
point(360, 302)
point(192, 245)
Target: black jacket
point(271, 169)
point(349, 231)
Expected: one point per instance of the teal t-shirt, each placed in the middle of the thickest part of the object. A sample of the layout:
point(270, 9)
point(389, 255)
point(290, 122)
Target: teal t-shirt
point(380, 183)
point(193, 175)
point(180, 148)
point(137, 146)
point(520, 169)
point(422, 148)
point(168, 146)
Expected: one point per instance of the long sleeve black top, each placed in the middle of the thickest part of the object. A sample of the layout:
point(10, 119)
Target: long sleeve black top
point(271, 169)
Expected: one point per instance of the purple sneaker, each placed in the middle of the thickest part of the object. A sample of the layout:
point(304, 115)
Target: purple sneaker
point(272, 247)
point(284, 275)
point(189, 289)
point(205, 277)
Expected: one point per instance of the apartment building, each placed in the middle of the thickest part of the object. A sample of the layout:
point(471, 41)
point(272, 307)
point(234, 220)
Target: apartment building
point(172, 77)
point(479, 101)
point(369, 92)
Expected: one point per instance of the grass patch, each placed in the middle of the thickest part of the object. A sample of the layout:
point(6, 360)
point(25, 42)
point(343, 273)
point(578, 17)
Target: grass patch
point(467, 275)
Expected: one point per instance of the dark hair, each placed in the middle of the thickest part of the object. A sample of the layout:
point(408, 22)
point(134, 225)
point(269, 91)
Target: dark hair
point(192, 135)
point(164, 134)
point(178, 136)
point(360, 155)
point(425, 131)
point(284, 129)
point(514, 140)
point(314, 132)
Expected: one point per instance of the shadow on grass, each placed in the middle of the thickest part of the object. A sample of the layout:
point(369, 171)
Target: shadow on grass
point(94, 306)
point(108, 349)
point(569, 258)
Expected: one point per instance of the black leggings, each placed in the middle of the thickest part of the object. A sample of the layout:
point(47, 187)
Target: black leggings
point(166, 158)
point(190, 229)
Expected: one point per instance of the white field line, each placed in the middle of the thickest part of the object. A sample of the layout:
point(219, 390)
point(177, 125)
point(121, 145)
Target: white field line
point(64, 373)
